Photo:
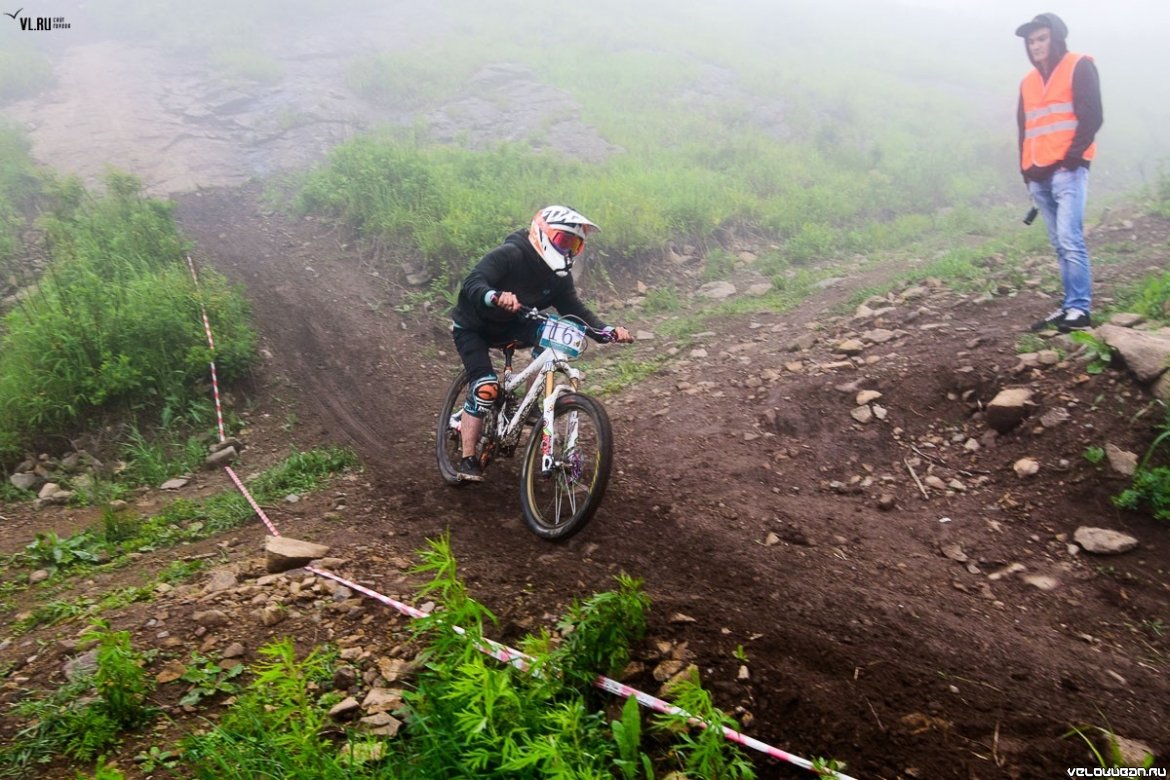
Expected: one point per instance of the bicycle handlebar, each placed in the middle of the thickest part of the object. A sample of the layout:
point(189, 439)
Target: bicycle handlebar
point(604, 335)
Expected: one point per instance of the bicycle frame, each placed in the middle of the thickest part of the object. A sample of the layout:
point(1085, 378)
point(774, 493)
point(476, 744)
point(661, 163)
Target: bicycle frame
point(545, 365)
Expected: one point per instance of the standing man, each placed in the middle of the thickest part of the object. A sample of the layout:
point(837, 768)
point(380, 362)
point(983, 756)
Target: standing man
point(1059, 115)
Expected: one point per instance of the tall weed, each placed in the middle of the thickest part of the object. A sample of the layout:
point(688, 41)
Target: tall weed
point(115, 322)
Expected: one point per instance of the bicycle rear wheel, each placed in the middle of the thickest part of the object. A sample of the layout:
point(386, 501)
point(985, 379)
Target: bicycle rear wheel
point(560, 503)
point(448, 439)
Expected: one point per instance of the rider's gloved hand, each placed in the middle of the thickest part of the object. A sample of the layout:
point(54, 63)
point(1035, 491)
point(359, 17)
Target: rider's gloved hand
point(507, 301)
point(619, 334)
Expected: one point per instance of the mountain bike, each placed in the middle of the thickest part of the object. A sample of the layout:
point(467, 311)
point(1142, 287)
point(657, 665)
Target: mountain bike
point(568, 456)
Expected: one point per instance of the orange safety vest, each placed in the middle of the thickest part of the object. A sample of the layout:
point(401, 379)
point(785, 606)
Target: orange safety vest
point(1049, 120)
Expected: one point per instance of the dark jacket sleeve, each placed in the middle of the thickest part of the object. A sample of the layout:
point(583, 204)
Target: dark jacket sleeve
point(471, 310)
point(1087, 107)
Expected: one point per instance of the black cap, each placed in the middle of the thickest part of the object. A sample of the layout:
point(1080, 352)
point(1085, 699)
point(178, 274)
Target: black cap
point(1052, 21)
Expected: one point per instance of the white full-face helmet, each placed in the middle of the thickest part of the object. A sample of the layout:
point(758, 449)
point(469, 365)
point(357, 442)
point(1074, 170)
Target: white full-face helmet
point(558, 234)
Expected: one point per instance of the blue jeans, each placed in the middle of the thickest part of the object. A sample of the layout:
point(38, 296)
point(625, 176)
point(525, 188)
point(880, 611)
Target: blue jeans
point(1061, 199)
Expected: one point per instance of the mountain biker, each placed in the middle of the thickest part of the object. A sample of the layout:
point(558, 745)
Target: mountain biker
point(530, 269)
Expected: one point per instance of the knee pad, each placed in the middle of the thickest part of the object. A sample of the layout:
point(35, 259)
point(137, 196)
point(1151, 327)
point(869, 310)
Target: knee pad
point(482, 395)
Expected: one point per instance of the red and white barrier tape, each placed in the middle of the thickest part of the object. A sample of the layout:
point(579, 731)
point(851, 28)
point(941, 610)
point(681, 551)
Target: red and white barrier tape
point(489, 647)
point(211, 344)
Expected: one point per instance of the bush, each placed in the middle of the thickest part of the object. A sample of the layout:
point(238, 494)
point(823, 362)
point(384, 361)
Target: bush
point(114, 323)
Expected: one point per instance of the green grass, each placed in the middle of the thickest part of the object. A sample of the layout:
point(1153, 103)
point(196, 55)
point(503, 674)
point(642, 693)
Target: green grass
point(123, 533)
point(85, 717)
point(114, 324)
point(468, 715)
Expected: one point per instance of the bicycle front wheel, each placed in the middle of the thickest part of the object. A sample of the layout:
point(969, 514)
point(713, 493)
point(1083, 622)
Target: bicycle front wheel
point(448, 439)
point(560, 501)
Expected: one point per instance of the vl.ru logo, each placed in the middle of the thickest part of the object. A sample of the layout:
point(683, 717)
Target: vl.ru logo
point(38, 23)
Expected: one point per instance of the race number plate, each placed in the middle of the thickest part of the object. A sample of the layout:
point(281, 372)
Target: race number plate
point(564, 336)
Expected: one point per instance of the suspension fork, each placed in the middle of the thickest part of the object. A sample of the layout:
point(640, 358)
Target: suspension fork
point(548, 434)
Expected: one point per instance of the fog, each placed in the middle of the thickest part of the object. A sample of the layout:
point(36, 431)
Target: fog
point(134, 77)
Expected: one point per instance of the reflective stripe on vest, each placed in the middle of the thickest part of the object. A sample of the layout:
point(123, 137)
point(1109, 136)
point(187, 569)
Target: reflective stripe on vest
point(1049, 120)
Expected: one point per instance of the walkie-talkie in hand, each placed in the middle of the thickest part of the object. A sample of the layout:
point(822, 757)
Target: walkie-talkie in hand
point(1030, 217)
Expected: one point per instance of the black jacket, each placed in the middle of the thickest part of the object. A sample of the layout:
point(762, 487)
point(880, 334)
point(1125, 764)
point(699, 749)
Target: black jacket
point(515, 267)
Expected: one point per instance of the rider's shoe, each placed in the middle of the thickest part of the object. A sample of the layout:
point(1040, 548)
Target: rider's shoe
point(469, 470)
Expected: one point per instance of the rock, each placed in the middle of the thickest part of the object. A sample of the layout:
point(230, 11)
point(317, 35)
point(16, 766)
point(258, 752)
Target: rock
point(393, 669)
point(1026, 467)
point(174, 484)
point(220, 579)
point(171, 671)
point(771, 540)
point(1145, 354)
point(759, 289)
point(1124, 463)
point(48, 490)
point(667, 669)
point(1054, 417)
point(221, 458)
point(382, 700)
point(863, 414)
point(344, 678)
point(1131, 752)
point(346, 709)
point(234, 650)
point(1042, 582)
point(1048, 357)
point(82, 665)
point(887, 502)
point(273, 614)
point(803, 342)
point(1008, 408)
point(1103, 541)
point(934, 481)
point(1162, 388)
point(40, 575)
point(383, 724)
point(212, 618)
point(716, 291)
point(954, 552)
point(851, 347)
point(1126, 319)
point(879, 411)
point(866, 396)
point(283, 553)
point(878, 336)
point(679, 617)
point(24, 480)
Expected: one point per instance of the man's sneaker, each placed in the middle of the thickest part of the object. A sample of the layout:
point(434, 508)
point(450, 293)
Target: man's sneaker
point(1074, 319)
point(469, 470)
point(1053, 320)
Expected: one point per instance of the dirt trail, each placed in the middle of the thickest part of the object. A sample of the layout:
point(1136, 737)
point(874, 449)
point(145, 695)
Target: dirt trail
point(747, 496)
point(866, 639)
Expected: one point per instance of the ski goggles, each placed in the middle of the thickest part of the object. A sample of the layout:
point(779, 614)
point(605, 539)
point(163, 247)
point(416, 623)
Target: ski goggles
point(568, 244)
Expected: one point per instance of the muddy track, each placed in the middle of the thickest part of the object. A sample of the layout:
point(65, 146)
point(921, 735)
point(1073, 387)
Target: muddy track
point(865, 643)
